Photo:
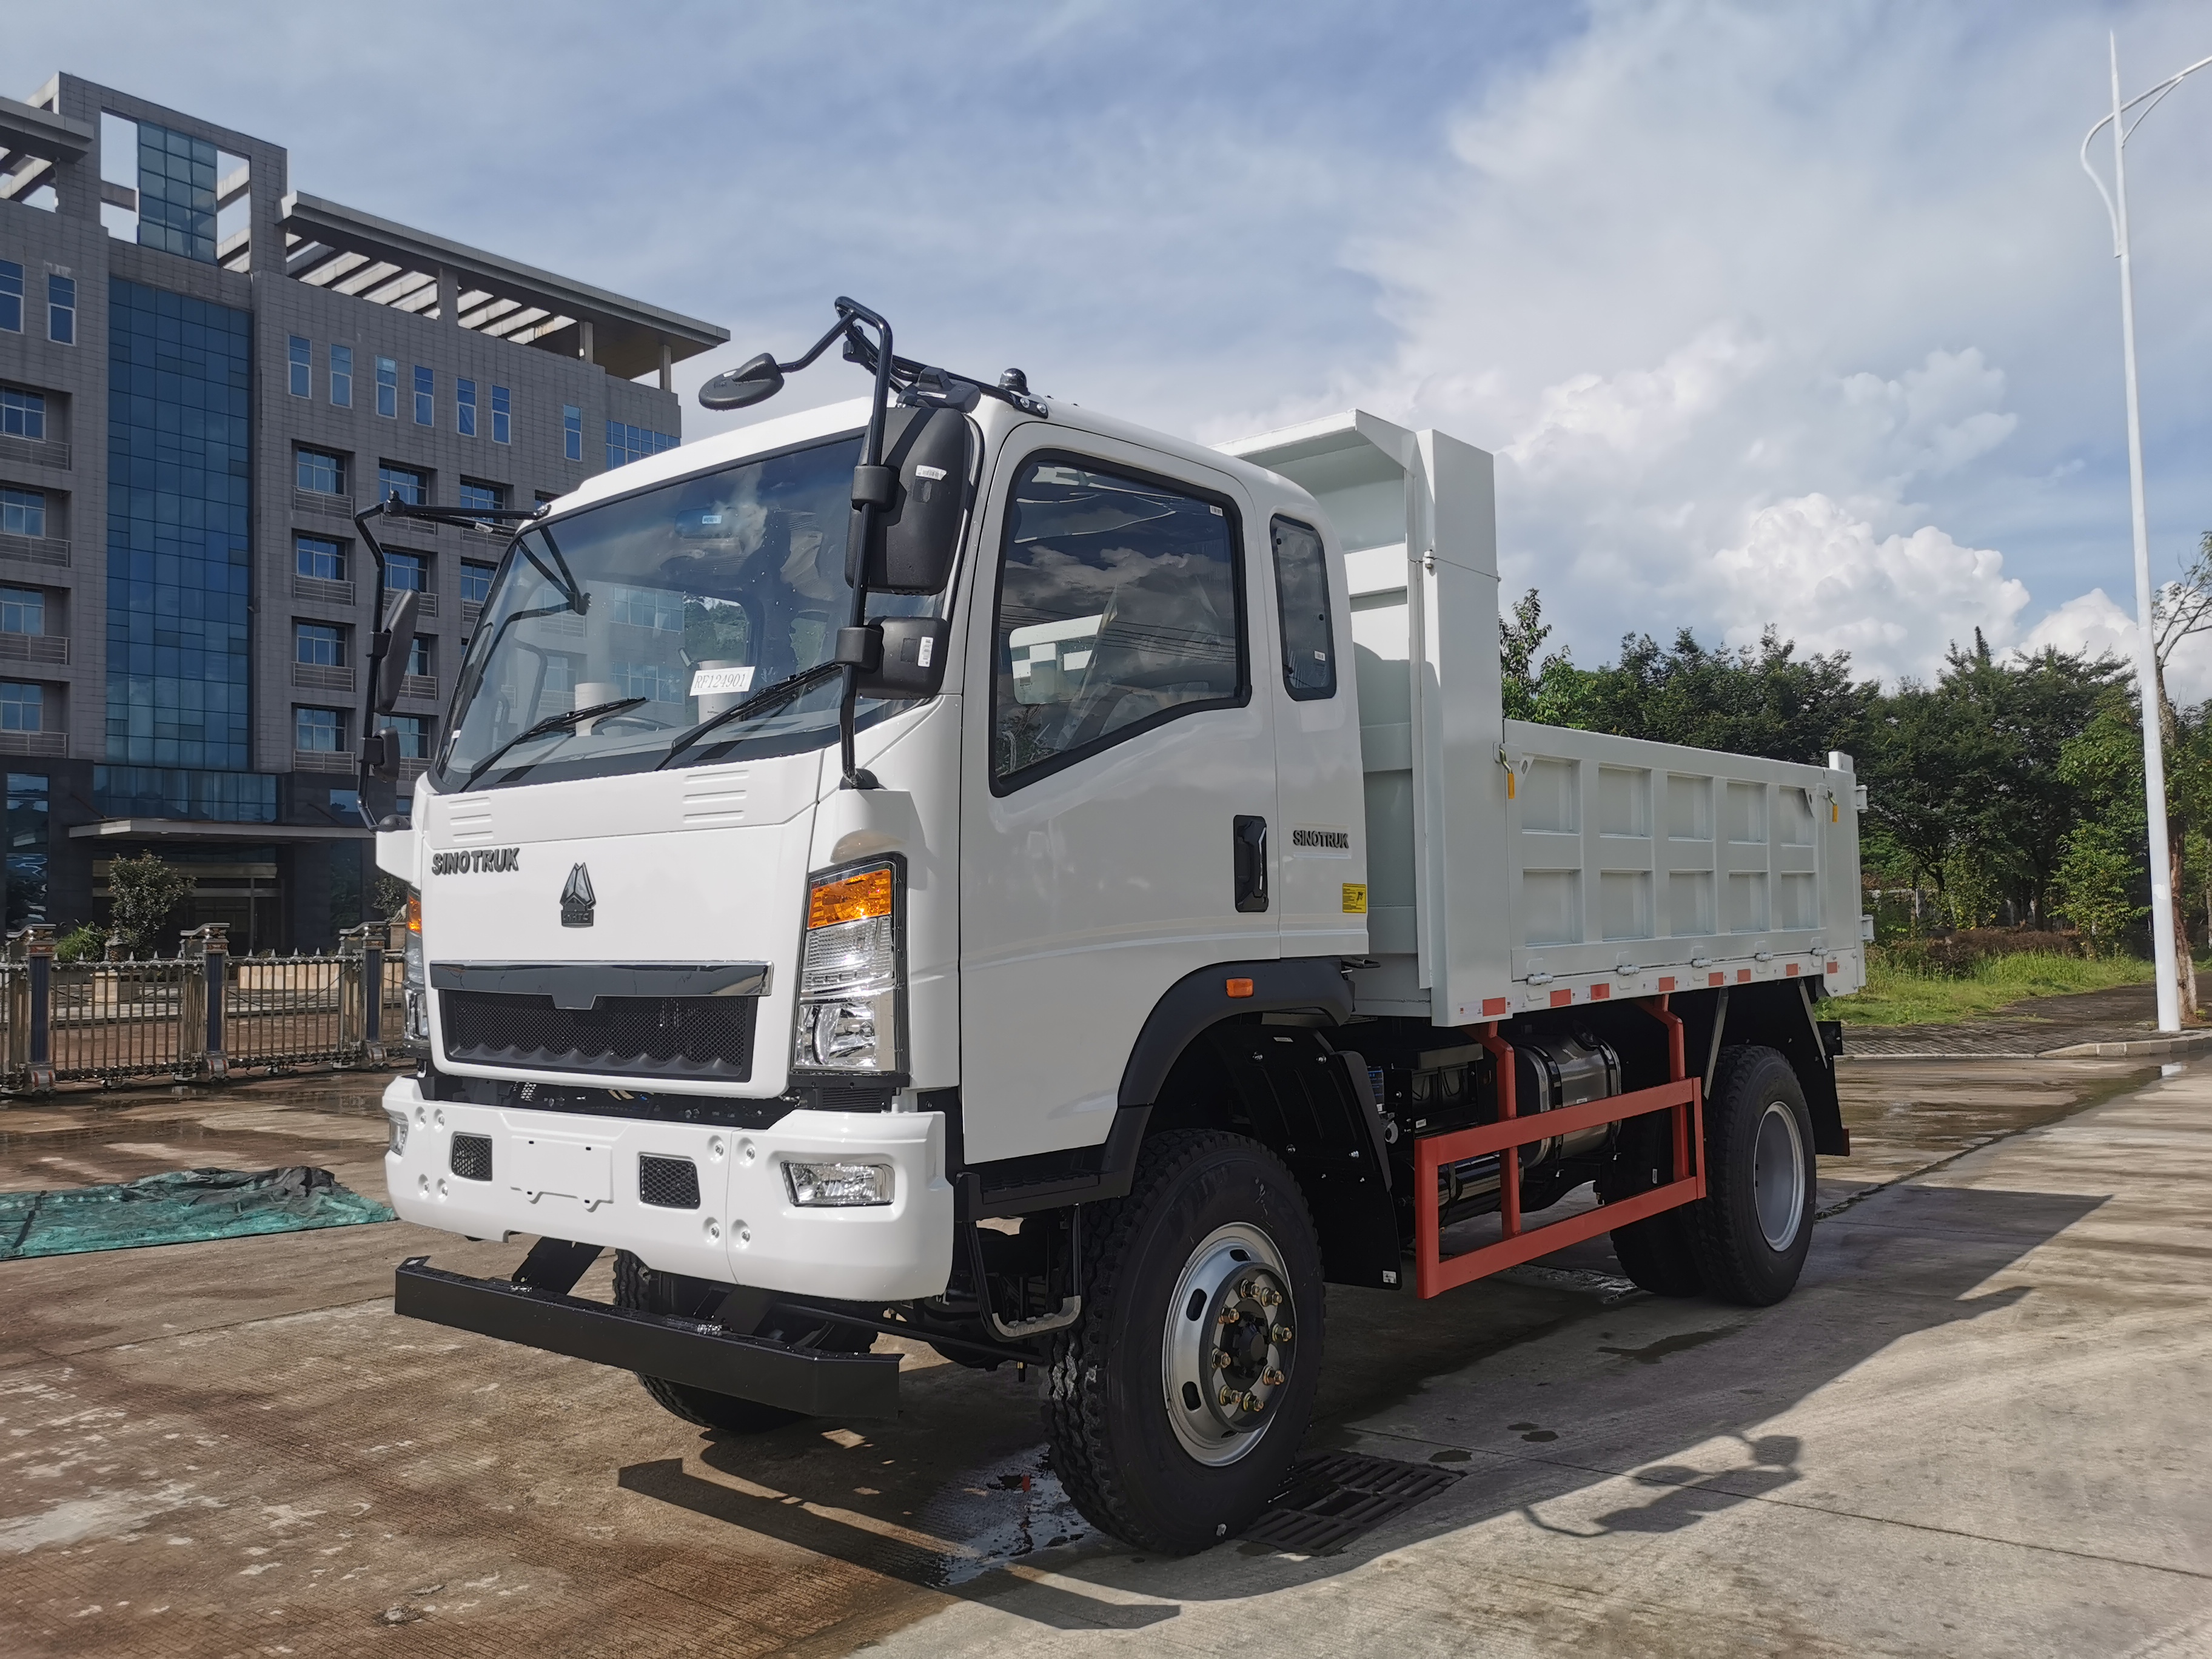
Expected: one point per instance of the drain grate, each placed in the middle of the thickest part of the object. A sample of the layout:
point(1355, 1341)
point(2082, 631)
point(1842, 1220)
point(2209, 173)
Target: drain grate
point(1332, 1498)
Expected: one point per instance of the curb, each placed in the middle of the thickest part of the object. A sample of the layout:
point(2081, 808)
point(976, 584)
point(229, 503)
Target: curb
point(2188, 1042)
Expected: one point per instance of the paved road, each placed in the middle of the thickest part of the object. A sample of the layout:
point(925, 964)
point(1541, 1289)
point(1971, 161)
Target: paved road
point(1975, 1430)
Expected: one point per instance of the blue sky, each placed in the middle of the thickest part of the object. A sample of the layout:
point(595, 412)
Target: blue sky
point(1792, 314)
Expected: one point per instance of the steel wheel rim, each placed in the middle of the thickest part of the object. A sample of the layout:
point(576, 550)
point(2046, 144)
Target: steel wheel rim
point(1221, 1308)
point(1777, 1175)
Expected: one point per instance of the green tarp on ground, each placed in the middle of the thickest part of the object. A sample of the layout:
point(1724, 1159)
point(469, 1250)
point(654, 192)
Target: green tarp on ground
point(184, 1206)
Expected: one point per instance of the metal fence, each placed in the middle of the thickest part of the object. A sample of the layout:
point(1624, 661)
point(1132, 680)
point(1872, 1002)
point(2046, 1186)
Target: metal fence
point(205, 1014)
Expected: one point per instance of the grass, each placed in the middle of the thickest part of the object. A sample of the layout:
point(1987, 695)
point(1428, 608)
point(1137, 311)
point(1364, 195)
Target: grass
point(1894, 997)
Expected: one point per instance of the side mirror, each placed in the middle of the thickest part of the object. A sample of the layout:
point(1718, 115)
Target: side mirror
point(917, 536)
point(912, 660)
point(755, 380)
point(397, 643)
point(381, 750)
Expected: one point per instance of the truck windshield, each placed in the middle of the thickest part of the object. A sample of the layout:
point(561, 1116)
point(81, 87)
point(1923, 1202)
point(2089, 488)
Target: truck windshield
point(664, 607)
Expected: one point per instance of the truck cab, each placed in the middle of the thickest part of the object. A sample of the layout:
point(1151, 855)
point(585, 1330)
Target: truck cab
point(1178, 893)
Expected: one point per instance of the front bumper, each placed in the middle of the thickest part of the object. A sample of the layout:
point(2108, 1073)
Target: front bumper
point(688, 1351)
point(565, 1175)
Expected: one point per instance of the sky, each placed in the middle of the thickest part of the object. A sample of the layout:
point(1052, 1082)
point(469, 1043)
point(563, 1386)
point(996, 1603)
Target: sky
point(1790, 315)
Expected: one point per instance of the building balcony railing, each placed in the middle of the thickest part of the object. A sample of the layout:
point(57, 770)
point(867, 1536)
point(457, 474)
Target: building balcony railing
point(322, 677)
point(321, 760)
point(34, 647)
point(427, 604)
point(318, 590)
point(35, 549)
point(34, 743)
point(411, 769)
point(316, 500)
point(37, 452)
point(422, 686)
point(472, 614)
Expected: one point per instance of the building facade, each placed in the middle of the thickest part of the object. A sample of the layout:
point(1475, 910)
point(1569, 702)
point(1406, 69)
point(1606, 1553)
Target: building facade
point(203, 374)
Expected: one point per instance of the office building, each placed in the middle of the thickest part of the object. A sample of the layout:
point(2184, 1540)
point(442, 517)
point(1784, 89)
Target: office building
point(204, 372)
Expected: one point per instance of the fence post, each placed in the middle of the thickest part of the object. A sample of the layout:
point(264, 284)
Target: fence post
point(202, 1013)
point(38, 960)
point(353, 942)
point(374, 936)
point(19, 1013)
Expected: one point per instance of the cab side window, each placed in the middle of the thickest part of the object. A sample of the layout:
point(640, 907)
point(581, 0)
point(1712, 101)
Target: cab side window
point(1120, 607)
point(1302, 597)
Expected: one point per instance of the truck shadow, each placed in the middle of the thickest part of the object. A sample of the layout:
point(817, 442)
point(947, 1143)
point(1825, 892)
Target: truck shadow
point(1539, 1391)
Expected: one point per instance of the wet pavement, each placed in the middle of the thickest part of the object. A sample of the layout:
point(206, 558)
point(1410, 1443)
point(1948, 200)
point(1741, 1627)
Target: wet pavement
point(2031, 1027)
point(1974, 1430)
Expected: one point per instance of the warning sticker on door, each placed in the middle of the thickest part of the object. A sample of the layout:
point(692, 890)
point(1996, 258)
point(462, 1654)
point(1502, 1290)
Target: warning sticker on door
point(1355, 898)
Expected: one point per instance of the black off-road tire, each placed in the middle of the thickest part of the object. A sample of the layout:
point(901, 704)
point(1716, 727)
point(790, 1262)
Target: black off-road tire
point(1759, 1180)
point(1659, 1255)
point(637, 1286)
point(1114, 1445)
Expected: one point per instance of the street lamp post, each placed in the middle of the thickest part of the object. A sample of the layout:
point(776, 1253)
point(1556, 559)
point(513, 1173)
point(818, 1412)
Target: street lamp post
point(2115, 204)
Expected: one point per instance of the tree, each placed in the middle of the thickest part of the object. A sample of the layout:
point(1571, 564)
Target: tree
point(1553, 691)
point(1756, 700)
point(144, 891)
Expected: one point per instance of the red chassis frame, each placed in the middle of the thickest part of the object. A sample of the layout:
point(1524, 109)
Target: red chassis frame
point(1435, 1273)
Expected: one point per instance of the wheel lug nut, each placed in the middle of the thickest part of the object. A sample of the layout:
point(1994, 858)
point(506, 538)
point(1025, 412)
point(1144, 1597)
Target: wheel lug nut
point(1220, 1360)
point(1228, 1317)
point(1280, 1333)
point(1229, 1397)
point(1272, 1379)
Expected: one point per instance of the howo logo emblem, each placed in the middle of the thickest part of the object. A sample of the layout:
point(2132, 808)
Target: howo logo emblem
point(577, 902)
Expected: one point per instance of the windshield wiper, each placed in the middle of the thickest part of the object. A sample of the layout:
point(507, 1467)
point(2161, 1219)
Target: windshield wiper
point(550, 724)
point(759, 703)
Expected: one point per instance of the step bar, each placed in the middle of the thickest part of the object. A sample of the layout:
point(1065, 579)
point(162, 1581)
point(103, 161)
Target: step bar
point(697, 1353)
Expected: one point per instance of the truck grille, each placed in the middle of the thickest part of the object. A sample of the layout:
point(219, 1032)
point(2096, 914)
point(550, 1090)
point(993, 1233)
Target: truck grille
point(667, 1183)
point(666, 1036)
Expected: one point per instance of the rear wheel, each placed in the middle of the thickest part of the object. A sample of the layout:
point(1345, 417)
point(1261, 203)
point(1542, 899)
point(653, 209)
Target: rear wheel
point(1751, 1232)
point(1177, 1401)
point(1658, 1253)
point(639, 1286)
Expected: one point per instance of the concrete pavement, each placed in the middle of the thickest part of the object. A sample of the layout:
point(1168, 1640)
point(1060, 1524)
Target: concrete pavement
point(1974, 1430)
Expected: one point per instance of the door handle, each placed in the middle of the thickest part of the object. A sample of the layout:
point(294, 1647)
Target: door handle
point(1251, 862)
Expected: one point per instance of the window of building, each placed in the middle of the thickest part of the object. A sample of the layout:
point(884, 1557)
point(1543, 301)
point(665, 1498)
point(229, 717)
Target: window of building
point(1301, 600)
point(465, 408)
point(301, 354)
point(23, 512)
point(320, 472)
point(22, 414)
point(475, 581)
point(320, 645)
point(11, 296)
point(342, 376)
point(503, 418)
point(478, 496)
point(426, 398)
point(411, 485)
point(26, 848)
point(649, 607)
point(176, 193)
point(419, 656)
point(61, 310)
point(1118, 611)
point(388, 388)
point(22, 707)
point(414, 732)
point(572, 432)
point(407, 572)
point(322, 729)
point(626, 444)
point(22, 610)
point(319, 557)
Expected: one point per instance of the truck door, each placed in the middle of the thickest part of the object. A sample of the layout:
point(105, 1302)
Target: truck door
point(1114, 755)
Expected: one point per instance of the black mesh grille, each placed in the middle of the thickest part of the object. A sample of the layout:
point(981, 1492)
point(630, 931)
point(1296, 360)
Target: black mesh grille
point(670, 1037)
point(471, 1158)
point(667, 1183)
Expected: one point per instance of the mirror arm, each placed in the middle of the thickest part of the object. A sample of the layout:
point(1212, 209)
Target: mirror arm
point(369, 749)
point(865, 506)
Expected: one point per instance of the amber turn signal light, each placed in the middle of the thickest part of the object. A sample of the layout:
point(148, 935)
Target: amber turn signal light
point(849, 898)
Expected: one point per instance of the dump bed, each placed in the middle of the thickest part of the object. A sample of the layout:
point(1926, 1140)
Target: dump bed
point(1513, 866)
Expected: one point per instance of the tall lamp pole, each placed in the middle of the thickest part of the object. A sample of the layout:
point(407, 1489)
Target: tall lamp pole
point(2115, 204)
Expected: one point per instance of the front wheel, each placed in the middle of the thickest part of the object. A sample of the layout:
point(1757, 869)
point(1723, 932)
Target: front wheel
point(1177, 1401)
point(1751, 1232)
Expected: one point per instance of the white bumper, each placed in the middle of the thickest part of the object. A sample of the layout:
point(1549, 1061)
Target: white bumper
point(747, 1231)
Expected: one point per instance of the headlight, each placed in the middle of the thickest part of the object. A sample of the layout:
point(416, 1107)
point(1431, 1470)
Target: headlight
point(395, 1139)
point(838, 1186)
point(851, 974)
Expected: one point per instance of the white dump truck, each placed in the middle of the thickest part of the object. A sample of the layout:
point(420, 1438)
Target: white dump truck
point(956, 864)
